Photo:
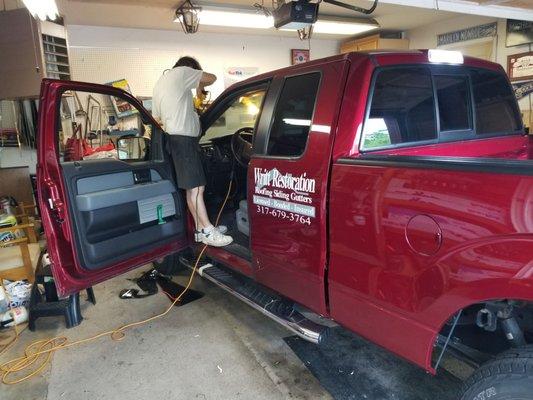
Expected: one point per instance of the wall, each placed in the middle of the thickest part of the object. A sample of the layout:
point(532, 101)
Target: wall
point(15, 157)
point(103, 54)
point(425, 37)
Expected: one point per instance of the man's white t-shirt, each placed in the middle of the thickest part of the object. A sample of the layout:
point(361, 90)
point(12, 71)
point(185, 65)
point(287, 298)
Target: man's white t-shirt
point(172, 101)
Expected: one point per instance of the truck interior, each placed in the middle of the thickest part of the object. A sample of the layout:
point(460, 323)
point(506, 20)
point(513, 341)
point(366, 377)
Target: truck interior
point(227, 145)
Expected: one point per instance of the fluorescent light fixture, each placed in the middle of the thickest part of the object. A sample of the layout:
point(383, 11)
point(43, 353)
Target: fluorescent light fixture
point(243, 19)
point(234, 19)
point(445, 56)
point(42, 9)
point(342, 28)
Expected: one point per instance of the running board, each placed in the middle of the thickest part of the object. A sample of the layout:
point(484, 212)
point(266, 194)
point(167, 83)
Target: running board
point(281, 310)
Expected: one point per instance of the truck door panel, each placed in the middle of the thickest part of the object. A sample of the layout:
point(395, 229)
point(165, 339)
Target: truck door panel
point(287, 193)
point(385, 285)
point(106, 208)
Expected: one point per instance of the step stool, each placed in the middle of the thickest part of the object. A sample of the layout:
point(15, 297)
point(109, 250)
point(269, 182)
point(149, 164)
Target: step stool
point(50, 305)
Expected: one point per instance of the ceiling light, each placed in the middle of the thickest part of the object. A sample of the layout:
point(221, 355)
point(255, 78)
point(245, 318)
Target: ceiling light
point(42, 9)
point(187, 16)
point(234, 19)
point(242, 19)
point(343, 28)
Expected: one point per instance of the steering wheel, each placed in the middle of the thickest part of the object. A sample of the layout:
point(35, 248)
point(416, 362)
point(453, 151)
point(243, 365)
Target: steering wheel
point(241, 146)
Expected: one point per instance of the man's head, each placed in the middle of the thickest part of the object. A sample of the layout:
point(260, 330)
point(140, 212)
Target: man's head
point(188, 62)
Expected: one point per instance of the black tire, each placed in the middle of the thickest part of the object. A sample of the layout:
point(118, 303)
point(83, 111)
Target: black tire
point(508, 377)
point(170, 265)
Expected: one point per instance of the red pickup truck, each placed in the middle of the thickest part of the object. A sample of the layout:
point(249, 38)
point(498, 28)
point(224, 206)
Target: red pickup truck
point(391, 192)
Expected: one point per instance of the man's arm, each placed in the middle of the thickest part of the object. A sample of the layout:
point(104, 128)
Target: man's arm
point(207, 79)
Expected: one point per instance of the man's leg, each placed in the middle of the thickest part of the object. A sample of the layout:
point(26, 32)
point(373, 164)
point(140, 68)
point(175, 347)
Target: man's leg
point(196, 204)
point(206, 232)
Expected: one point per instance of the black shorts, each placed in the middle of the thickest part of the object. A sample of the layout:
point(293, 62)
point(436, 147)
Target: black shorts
point(187, 158)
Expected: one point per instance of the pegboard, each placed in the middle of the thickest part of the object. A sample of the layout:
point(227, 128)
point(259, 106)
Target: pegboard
point(7, 115)
point(140, 67)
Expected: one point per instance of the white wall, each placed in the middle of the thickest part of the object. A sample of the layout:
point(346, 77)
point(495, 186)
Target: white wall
point(425, 37)
point(15, 157)
point(103, 54)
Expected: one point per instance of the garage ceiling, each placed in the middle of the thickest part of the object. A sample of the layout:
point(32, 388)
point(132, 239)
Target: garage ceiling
point(158, 15)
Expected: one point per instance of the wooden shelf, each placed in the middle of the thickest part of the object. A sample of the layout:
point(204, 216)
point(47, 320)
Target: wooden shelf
point(374, 42)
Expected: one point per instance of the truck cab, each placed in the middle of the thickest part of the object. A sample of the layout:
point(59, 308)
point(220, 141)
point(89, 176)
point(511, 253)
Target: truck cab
point(390, 192)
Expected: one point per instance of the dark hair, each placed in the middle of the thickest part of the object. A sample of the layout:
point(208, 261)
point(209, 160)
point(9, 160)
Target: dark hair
point(188, 62)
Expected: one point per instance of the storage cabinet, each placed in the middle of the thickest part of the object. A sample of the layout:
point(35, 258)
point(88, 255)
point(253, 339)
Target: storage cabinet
point(31, 50)
point(374, 42)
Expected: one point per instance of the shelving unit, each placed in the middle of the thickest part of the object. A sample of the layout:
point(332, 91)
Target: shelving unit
point(31, 50)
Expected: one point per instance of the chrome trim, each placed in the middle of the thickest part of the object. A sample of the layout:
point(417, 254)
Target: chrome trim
point(298, 323)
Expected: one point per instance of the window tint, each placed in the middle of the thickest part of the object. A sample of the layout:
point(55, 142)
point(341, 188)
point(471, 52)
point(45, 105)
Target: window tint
point(293, 115)
point(496, 110)
point(402, 109)
point(454, 106)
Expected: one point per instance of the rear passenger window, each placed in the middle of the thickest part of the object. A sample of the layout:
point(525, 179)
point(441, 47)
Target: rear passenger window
point(495, 103)
point(293, 116)
point(454, 106)
point(402, 108)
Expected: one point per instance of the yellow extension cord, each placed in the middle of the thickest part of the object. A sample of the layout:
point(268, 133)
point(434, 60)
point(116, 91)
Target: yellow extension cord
point(44, 349)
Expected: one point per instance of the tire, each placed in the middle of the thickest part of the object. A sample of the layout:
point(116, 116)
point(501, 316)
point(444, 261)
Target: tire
point(170, 265)
point(508, 377)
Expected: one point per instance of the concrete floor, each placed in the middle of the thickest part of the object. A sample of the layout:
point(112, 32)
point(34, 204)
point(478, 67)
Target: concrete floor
point(213, 348)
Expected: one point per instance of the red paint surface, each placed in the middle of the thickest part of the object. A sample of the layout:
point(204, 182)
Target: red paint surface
point(399, 298)
point(287, 255)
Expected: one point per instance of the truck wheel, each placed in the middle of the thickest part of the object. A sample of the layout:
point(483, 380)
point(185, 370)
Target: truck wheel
point(508, 377)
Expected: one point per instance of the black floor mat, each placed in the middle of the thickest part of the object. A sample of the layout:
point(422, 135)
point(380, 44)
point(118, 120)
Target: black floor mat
point(349, 367)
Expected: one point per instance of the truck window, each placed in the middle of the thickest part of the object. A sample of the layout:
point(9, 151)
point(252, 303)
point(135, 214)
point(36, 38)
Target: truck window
point(293, 116)
point(402, 108)
point(495, 104)
point(241, 113)
point(454, 106)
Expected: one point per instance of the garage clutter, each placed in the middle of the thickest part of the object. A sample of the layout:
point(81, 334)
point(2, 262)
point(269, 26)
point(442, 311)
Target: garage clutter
point(19, 256)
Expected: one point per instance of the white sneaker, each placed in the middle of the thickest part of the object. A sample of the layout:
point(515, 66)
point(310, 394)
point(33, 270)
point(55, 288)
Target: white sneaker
point(214, 238)
point(221, 228)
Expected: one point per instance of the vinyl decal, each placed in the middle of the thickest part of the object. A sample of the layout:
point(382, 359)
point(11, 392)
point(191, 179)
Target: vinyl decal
point(284, 196)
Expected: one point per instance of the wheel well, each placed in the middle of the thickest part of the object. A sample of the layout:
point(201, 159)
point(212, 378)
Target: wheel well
point(486, 329)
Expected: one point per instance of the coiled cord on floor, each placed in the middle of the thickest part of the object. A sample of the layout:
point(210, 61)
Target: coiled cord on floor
point(40, 352)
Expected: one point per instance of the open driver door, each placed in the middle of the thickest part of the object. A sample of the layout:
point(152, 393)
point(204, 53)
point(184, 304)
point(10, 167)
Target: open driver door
point(108, 198)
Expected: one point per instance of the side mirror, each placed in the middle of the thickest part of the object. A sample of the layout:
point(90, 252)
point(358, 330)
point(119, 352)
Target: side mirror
point(133, 148)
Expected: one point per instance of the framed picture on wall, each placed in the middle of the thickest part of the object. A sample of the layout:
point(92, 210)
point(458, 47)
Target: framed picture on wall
point(519, 32)
point(520, 66)
point(300, 56)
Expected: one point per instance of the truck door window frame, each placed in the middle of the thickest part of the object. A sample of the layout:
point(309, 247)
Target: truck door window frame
point(264, 126)
point(154, 154)
point(371, 92)
point(442, 136)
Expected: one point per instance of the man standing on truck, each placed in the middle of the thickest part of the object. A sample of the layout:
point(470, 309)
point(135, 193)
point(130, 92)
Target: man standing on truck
point(173, 107)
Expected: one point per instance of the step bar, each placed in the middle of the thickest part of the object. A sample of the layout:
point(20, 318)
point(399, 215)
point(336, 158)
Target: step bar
point(266, 302)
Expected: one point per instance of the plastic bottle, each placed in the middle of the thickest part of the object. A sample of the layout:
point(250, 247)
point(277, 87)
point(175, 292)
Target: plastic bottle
point(14, 316)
